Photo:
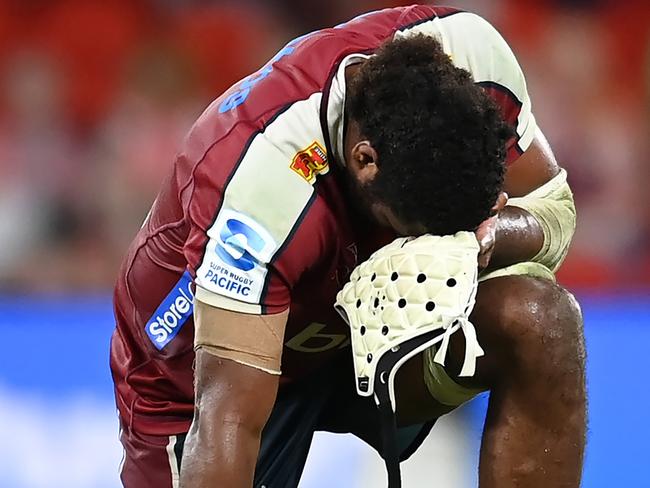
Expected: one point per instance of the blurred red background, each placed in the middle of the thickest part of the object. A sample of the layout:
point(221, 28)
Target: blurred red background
point(96, 96)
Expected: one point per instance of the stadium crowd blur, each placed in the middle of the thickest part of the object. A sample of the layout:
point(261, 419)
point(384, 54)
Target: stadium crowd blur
point(96, 96)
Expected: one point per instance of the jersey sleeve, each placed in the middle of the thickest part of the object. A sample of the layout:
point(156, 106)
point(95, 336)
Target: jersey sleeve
point(243, 252)
point(475, 45)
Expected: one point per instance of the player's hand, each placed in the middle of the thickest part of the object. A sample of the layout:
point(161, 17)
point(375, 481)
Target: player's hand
point(486, 237)
point(486, 234)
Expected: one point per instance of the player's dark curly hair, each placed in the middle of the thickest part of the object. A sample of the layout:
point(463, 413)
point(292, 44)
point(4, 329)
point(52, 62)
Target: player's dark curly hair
point(440, 139)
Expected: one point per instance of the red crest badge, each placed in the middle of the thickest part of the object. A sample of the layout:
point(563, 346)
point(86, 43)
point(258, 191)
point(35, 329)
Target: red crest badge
point(310, 162)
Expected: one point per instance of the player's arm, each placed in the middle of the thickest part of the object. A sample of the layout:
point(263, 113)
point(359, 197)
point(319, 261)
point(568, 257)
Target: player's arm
point(236, 381)
point(539, 220)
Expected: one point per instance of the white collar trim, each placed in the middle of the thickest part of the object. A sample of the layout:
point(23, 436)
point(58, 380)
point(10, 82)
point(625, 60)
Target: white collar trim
point(336, 106)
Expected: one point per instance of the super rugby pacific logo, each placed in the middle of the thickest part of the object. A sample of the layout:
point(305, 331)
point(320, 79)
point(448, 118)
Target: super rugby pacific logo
point(236, 238)
point(172, 313)
point(237, 241)
point(235, 262)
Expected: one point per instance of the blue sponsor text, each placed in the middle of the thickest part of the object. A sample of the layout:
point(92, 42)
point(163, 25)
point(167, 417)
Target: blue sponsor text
point(172, 313)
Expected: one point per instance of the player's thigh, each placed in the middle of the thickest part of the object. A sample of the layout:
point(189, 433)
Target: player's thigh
point(536, 297)
point(519, 319)
point(151, 461)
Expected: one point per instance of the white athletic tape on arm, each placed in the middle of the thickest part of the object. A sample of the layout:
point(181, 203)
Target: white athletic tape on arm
point(553, 207)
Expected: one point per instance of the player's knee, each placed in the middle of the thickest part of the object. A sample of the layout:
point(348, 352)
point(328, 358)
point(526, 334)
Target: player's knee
point(546, 332)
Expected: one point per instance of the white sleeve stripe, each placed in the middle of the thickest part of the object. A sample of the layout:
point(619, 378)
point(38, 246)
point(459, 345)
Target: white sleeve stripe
point(430, 18)
point(264, 175)
point(475, 45)
point(287, 241)
point(173, 462)
point(262, 202)
point(240, 158)
point(528, 132)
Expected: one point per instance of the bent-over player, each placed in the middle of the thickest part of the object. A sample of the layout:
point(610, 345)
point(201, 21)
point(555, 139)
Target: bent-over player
point(228, 353)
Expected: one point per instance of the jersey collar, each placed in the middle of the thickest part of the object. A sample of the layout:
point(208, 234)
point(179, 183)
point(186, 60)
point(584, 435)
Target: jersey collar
point(336, 106)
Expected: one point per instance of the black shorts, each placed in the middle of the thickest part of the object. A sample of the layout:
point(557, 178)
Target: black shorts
point(325, 401)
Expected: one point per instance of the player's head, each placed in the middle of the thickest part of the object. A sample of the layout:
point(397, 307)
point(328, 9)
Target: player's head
point(425, 146)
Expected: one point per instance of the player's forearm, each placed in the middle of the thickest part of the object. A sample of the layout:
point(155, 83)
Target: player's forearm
point(232, 405)
point(219, 454)
point(519, 237)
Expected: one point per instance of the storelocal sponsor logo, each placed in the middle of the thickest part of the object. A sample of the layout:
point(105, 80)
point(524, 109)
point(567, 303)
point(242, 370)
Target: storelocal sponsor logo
point(235, 264)
point(172, 313)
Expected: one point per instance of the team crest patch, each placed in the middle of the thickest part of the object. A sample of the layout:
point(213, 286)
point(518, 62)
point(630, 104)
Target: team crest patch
point(310, 162)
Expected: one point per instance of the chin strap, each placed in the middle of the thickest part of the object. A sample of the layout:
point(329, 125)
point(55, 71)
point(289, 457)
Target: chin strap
point(389, 437)
point(385, 398)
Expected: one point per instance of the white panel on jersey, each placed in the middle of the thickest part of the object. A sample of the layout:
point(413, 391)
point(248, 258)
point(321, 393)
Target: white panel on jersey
point(473, 44)
point(336, 106)
point(261, 205)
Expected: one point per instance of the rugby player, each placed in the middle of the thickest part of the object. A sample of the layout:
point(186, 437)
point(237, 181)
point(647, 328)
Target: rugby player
point(228, 353)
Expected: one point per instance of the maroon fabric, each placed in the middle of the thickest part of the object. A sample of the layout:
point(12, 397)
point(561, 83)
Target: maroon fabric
point(154, 389)
point(510, 108)
point(146, 462)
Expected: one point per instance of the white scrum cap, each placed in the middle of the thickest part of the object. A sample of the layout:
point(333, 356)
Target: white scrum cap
point(408, 296)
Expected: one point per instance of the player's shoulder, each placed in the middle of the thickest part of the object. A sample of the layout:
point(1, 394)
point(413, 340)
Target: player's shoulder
point(263, 201)
point(472, 43)
point(289, 88)
point(475, 45)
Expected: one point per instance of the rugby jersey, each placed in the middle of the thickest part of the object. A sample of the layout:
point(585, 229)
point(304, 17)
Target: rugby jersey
point(253, 216)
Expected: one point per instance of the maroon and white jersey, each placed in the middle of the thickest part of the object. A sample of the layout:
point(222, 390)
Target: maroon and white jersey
point(253, 216)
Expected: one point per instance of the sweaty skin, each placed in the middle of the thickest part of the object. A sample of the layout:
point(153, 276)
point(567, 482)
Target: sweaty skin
point(534, 365)
point(534, 362)
point(519, 236)
point(531, 330)
point(535, 428)
point(232, 404)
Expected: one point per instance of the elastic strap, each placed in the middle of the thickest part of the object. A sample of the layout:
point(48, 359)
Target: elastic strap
point(386, 370)
point(389, 437)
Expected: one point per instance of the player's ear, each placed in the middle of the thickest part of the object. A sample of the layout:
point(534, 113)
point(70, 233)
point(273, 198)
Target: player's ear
point(501, 202)
point(363, 162)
